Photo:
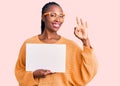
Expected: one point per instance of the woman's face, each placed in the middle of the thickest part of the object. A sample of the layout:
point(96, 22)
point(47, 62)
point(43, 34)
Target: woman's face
point(53, 18)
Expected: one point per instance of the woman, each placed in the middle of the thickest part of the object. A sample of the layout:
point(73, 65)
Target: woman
point(81, 65)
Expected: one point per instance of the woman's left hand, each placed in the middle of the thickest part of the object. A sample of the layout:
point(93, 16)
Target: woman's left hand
point(80, 30)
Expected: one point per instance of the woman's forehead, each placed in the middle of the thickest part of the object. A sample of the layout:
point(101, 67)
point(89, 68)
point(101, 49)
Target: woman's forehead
point(54, 8)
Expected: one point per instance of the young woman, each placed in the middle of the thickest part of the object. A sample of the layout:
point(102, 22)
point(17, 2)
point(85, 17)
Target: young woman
point(81, 65)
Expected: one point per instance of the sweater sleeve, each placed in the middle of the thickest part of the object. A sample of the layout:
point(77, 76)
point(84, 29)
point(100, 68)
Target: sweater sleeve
point(89, 64)
point(24, 77)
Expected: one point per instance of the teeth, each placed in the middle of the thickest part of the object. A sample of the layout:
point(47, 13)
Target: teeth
point(56, 25)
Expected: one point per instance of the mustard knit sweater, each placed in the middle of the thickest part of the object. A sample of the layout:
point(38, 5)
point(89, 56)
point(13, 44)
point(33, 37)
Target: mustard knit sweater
point(81, 66)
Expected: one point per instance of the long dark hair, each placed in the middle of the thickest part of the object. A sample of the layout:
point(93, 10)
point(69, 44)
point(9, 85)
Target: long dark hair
point(45, 7)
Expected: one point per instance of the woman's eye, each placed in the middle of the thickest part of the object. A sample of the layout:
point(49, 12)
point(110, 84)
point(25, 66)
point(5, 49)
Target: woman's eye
point(61, 16)
point(53, 15)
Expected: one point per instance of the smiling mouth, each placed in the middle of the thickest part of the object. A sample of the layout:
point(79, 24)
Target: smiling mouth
point(56, 25)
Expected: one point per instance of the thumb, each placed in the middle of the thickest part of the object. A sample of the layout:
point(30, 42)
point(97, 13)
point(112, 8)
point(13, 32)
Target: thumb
point(47, 72)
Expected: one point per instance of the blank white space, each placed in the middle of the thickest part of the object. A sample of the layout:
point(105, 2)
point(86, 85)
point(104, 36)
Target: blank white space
point(45, 56)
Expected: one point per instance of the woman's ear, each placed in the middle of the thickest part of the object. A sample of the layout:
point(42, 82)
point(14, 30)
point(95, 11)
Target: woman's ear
point(43, 18)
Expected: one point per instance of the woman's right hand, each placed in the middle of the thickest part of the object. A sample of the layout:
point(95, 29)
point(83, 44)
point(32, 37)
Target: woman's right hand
point(41, 73)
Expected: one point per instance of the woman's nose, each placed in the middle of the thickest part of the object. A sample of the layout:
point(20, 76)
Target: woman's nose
point(57, 19)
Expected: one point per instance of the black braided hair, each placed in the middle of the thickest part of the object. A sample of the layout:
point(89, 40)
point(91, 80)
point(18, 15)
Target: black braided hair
point(45, 7)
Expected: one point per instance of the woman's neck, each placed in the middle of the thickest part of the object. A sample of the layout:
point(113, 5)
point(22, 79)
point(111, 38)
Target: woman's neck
point(49, 37)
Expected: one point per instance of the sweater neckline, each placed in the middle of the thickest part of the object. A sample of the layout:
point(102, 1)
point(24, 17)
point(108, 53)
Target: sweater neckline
point(58, 41)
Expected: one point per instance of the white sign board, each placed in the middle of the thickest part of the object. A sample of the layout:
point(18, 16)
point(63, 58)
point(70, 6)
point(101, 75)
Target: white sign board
point(46, 56)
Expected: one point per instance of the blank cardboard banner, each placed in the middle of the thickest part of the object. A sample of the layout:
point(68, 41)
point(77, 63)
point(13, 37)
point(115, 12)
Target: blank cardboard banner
point(45, 56)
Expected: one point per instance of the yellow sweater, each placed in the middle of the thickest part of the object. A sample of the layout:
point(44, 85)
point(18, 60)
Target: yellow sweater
point(81, 66)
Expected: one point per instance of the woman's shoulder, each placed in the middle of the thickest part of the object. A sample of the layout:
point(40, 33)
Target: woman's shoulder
point(71, 44)
point(69, 41)
point(66, 40)
point(32, 39)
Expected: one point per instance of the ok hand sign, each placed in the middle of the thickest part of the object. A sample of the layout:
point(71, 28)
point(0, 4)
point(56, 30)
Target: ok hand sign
point(80, 30)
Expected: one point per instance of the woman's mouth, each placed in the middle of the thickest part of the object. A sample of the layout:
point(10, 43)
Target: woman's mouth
point(56, 25)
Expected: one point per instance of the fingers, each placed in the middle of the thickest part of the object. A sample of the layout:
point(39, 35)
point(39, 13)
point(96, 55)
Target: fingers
point(41, 73)
point(77, 21)
point(86, 24)
point(80, 23)
point(47, 72)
